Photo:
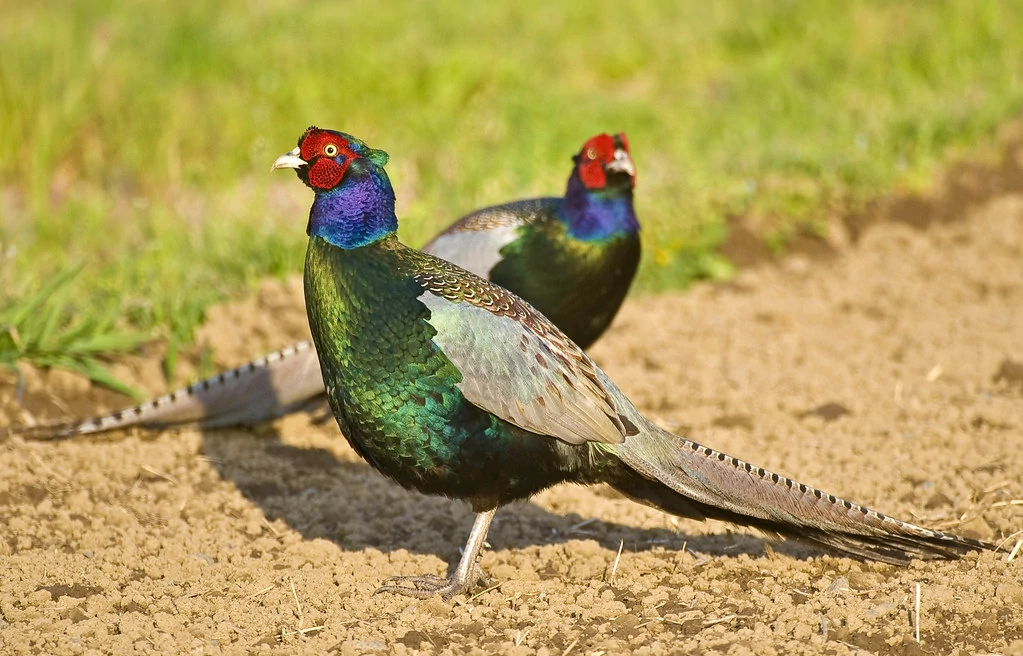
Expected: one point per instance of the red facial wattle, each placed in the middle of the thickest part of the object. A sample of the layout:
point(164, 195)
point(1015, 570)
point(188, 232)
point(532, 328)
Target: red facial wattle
point(596, 153)
point(592, 174)
point(320, 149)
point(326, 173)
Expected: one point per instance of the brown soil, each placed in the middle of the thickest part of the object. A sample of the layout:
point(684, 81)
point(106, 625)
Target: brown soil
point(891, 374)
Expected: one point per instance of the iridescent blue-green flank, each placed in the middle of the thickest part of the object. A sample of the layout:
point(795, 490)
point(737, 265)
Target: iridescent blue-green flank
point(395, 393)
point(573, 257)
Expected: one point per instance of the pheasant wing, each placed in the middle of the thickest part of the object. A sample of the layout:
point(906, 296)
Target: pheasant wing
point(514, 363)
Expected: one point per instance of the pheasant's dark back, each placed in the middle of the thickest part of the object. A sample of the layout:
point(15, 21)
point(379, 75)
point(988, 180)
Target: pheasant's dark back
point(578, 285)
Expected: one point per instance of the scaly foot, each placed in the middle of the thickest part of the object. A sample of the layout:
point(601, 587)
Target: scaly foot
point(429, 585)
point(466, 578)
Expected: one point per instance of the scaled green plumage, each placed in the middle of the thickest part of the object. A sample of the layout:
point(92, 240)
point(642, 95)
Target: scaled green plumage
point(393, 388)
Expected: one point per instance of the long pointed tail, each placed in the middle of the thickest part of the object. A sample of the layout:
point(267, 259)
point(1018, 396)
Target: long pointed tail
point(690, 480)
point(270, 387)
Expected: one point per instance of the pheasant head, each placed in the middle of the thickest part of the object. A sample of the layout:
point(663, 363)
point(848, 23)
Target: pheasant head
point(606, 163)
point(354, 203)
point(598, 200)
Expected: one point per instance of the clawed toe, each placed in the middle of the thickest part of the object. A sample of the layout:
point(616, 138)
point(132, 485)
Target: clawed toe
point(467, 575)
point(420, 587)
point(429, 585)
point(420, 582)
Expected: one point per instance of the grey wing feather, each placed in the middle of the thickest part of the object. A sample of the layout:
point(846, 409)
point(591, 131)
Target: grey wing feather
point(542, 383)
point(474, 242)
point(473, 251)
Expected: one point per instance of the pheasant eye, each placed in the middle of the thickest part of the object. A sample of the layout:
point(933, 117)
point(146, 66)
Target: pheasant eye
point(591, 153)
point(330, 150)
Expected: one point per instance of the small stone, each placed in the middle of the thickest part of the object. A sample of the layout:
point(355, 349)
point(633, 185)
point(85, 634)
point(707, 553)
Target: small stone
point(625, 625)
point(975, 528)
point(38, 598)
point(436, 607)
point(413, 639)
point(937, 500)
point(864, 580)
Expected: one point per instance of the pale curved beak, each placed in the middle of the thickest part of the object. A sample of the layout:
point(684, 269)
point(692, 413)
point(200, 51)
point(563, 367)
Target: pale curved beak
point(622, 163)
point(289, 160)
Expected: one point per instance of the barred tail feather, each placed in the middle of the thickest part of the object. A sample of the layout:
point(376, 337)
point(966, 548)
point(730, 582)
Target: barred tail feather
point(267, 388)
point(684, 478)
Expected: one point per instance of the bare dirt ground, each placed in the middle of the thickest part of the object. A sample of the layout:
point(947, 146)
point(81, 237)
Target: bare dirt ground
point(891, 374)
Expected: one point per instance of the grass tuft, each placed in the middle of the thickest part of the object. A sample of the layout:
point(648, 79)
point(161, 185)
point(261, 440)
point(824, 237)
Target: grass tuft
point(48, 331)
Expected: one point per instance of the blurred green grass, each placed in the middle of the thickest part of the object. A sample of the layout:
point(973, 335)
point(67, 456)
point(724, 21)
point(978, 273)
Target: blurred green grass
point(135, 137)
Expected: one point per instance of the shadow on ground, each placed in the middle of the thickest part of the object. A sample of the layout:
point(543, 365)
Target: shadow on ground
point(321, 496)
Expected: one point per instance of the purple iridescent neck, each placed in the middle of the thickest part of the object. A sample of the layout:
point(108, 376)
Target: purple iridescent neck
point(357, 212)
point(597, 214)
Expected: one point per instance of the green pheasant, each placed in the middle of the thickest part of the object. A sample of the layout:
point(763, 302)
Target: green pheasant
point(451, 385)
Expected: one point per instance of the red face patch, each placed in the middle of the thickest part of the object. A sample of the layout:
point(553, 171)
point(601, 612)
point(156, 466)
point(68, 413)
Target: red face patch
point(320, 148)
point(596, 153)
